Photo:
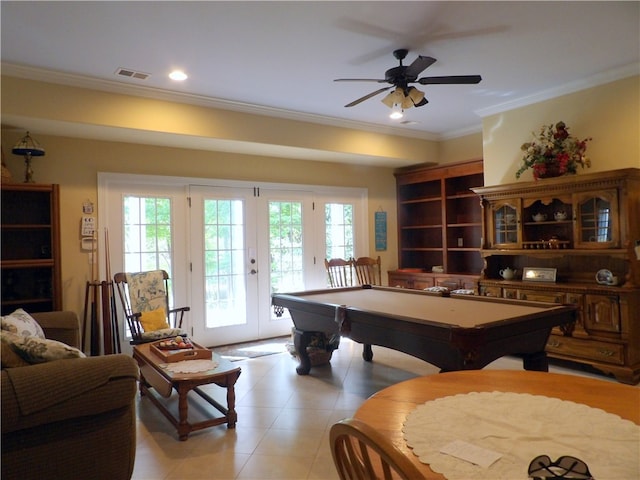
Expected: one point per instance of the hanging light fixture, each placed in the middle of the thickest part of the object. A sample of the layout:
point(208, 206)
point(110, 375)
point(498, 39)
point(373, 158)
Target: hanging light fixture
point(416, 97)
point(28, 148)
point(402, 98)
point(396, 112)
point(394, 98)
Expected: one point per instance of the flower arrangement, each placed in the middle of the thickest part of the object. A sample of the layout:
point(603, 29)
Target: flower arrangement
point(553, 152)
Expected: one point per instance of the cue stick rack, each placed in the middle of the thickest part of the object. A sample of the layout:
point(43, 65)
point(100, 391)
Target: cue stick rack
point(100, 313)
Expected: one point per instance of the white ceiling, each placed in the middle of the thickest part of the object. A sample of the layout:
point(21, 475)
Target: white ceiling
point(280, 58)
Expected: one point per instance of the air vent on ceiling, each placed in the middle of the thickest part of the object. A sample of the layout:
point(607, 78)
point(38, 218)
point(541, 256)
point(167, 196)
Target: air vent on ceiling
point(127, 72)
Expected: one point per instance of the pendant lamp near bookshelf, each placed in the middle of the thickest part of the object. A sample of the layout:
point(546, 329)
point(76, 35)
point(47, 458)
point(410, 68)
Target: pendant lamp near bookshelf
point(28, 147)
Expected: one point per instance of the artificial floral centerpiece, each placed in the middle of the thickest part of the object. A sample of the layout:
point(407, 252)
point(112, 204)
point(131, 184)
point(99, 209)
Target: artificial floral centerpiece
point(554, 152)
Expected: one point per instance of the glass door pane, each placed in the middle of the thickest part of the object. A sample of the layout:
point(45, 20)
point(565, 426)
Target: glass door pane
point(285, 223)
point(286, 246)
point(223, 263)
point(224, 272)
point(506, 226)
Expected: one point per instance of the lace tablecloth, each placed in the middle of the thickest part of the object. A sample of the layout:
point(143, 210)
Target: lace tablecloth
point(520, 427)
point(190, 366)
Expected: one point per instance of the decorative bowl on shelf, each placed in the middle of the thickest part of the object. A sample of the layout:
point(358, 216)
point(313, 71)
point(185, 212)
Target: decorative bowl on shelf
point(605, 277)
point(539, 217)
point(559, 216)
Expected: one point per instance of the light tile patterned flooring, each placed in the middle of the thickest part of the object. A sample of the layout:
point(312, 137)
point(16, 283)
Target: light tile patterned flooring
point(283, 418)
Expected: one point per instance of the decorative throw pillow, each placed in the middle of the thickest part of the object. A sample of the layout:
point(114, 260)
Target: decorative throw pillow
point(162, 334)
point(21, 323)
point(41, 350)
point(154, 320)
point(10, 359)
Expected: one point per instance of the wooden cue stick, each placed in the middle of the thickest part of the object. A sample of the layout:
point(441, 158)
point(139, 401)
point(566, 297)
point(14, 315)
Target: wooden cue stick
point(107, 340)
point(112, 299)
point(95, 334)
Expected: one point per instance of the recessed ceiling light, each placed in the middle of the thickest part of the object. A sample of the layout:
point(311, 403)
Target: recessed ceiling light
point(178, 75)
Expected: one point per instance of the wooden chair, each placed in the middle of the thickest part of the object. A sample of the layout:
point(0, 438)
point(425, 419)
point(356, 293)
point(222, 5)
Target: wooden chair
point(150, 294)
point(362, 453)
point(339, 271)
point(368, 271)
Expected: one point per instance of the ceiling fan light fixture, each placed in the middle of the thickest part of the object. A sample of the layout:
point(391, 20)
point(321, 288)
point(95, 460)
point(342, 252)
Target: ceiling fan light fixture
point(395, 97)
point(415, 95)
point(407, 102)
point(396, 112)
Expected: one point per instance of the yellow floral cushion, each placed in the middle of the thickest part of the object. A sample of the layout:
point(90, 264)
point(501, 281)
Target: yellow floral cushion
point(154, 320)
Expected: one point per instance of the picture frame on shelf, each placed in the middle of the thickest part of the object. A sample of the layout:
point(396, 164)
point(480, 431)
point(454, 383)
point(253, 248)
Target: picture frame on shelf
point(537, 274)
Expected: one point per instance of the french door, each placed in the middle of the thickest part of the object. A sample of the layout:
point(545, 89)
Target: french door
point(245, 244)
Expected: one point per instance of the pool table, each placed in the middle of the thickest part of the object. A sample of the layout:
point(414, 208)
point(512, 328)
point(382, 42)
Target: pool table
point(456, 332)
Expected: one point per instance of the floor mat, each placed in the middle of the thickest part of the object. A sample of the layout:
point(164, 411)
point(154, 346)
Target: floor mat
point(259, 348)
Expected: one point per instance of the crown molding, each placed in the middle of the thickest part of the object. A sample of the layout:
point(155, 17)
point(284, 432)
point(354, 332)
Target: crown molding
point(571, 87)
point(92, 83)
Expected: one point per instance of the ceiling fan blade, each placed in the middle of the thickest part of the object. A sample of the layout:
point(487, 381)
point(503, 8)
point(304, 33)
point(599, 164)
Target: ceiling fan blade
point(360, 80)
point(418, 66)
point(367, 97)
point(450, 80)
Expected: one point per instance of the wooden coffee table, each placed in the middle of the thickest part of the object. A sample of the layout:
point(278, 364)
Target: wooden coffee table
point(154, 376)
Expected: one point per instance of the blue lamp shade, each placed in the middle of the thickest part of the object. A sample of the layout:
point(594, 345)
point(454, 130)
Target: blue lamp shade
point(28, 147)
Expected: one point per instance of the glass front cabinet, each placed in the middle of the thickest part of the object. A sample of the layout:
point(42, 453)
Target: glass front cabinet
point(597, 219)
point(580, 235)
point(505, 221)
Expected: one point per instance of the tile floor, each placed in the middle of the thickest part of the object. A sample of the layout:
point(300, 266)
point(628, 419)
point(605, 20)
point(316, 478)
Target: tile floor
point(283, 418)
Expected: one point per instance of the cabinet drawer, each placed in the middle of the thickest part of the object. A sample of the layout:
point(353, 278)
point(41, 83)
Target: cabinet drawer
point(575, 347)
point(410, 282)
point(510, 293)
point(551, 297)
point(491, 291)
point(449, 282)
point(420, 284)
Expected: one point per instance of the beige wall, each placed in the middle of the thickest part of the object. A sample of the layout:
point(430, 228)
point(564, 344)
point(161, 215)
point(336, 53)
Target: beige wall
point(74, 164)
point(610, 114)
point(467, 147)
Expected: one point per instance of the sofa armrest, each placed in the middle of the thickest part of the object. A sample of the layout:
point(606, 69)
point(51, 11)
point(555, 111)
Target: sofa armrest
point(63, 326)
point(62, 389)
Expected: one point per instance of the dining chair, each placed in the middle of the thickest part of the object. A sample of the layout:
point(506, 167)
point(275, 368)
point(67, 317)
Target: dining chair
point(362, 453)
point(368, 270)
point(339, 272)
point(145, 301)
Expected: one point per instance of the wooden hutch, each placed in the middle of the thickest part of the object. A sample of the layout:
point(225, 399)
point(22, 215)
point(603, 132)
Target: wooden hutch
point(578, 237)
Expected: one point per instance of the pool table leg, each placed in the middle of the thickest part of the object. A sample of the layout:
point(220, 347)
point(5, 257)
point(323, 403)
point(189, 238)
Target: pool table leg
point(367, 352)
point(301, 341)
point(536, 361)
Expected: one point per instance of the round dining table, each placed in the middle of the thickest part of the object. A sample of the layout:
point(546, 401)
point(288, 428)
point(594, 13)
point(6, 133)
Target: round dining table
point(388, 409)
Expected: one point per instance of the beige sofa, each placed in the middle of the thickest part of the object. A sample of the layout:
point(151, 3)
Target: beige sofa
point(71, 418)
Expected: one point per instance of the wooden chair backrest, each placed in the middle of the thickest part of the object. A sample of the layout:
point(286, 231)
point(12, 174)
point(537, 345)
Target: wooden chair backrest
point(368, 271)
point(339, 272)
point(174, 316)
point(362, 453)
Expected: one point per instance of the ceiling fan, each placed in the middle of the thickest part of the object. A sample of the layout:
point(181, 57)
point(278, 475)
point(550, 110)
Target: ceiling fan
point(405, 96)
